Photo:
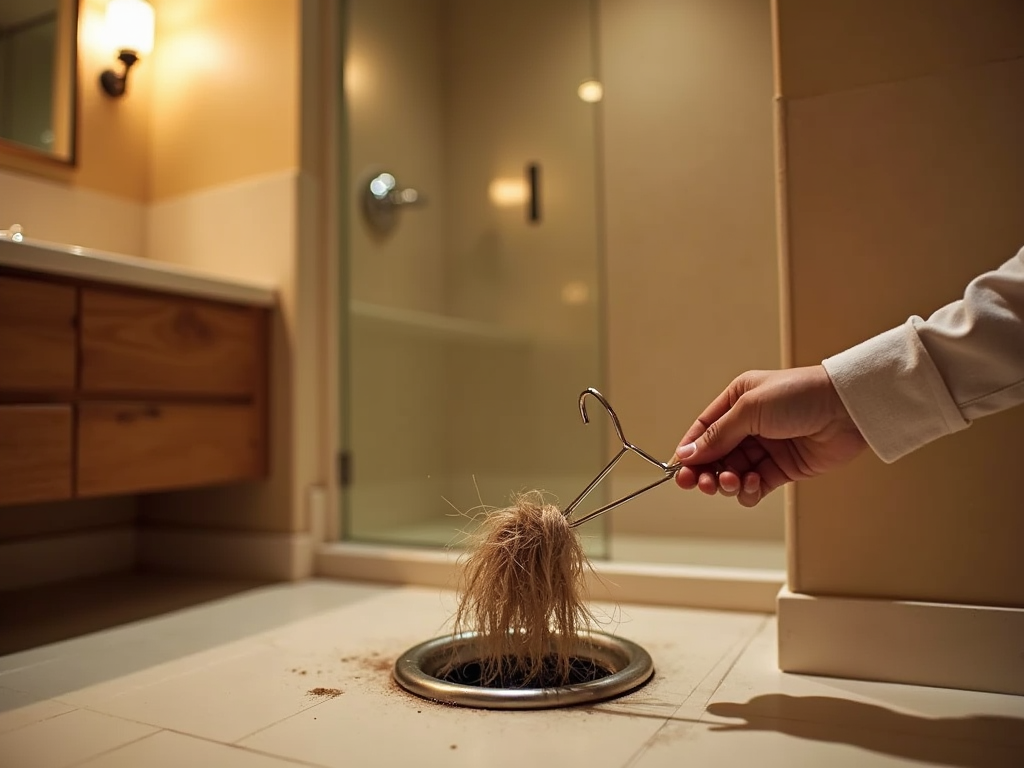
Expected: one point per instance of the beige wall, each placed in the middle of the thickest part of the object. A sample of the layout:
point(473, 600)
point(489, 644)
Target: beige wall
point(109, 181)
point(225, 93)
point(226, 74)
point(905, 178)
point(689, 215)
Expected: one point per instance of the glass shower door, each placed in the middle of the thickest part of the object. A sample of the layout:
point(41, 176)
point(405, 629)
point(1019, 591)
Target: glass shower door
point(473, 283)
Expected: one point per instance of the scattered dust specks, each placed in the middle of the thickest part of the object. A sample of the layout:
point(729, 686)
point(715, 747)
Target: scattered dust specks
point(328, 692)
point(373, 661)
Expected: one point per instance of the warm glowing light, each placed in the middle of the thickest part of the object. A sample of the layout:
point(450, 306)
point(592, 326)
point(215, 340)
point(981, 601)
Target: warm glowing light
point(357, 76)
point(591, 91)
point(129, 26)
point(575, 293)
point(507, 192)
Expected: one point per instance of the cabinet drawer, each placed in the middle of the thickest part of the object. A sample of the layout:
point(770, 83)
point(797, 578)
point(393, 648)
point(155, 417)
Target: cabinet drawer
point(153, 344)
point(129, 447)
point(37, 335)
point(35, 453)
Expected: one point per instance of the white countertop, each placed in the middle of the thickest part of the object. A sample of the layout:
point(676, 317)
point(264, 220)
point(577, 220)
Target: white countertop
point(89, 264)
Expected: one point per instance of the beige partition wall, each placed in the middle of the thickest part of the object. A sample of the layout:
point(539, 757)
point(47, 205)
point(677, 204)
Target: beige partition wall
point(690, 238)
point(903, 179)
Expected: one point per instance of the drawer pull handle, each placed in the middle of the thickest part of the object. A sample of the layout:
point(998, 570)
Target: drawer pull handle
point(145, 412)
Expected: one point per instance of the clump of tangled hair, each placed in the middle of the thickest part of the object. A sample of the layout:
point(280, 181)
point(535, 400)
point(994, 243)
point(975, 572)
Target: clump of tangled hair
point(523, 592)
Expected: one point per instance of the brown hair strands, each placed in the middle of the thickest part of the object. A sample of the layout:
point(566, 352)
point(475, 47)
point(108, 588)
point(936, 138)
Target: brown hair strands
point(523, 591)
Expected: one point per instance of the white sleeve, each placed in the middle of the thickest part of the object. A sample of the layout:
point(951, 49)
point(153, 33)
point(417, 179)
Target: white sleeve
point(929, 378)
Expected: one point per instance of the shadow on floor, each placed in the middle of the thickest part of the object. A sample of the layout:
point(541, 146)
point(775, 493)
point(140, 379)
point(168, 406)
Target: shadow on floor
point(221, 609)
point(50, 613)
point(71, 636)
point(984, 741)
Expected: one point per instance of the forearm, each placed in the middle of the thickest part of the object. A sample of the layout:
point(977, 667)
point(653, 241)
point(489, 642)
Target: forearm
point(930, 378)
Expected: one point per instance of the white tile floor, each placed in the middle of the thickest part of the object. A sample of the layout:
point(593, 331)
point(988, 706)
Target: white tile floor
point(231, 683)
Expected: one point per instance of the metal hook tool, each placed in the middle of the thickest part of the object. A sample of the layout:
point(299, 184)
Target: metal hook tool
point(627, 447)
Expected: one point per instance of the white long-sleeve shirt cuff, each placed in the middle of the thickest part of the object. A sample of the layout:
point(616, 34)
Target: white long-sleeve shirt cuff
point(894, 392)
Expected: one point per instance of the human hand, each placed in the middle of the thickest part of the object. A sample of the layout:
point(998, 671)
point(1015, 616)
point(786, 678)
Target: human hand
point(768, 428)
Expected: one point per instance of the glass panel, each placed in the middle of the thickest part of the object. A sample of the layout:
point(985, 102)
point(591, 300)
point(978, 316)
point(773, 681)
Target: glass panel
point(38, 65)
point(474, 306)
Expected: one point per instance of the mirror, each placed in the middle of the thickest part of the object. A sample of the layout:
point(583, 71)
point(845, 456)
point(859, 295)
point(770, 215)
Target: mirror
point(38, 66)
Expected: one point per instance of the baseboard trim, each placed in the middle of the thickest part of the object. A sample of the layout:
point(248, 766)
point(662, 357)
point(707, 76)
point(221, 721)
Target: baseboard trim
point(967, 647)
point(687, 586)
point(682, 586)
point(425, 567)
point(46, 560)
point(241, 554)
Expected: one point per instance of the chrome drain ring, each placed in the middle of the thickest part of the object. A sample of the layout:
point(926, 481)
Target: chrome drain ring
point(630, 667)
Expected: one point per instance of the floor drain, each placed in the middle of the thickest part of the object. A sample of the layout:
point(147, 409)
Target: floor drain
point(604, 667)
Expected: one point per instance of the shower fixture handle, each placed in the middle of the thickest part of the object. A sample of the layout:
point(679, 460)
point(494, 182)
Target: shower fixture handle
point(383, 199)
point(13, 234)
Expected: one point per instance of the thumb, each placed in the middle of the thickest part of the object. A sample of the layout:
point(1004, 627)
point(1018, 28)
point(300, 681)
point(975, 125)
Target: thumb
point(721, 437)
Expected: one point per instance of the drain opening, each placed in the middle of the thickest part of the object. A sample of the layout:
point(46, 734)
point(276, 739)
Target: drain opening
point(581, 670)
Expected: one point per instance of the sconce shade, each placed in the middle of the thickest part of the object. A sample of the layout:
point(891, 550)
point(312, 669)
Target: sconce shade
point(129, 26)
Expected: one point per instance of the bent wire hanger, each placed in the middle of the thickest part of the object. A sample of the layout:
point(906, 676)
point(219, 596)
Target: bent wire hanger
point(668, 469)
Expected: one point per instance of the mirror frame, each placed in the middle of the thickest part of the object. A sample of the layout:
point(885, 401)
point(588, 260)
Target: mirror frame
point(68, 30)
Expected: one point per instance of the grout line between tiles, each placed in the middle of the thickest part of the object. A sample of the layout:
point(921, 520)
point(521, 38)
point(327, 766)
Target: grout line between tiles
point(735, 651)
point(41, 720)
point(73, 708)
point(198, 736)
point(732, 665)
point(235, 745)
point(277, 722)
point(744, 644)
point(276, 756)
point(113, 749)
point(229, 745)
point(135, 687)
point(944, 72)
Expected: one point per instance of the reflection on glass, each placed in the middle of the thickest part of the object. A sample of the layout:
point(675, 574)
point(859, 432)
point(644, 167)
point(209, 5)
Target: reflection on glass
point(470, 332)
point(507, 192)
point(37, 64)
point(382, 185)
point(575, 293)
point(591, 91)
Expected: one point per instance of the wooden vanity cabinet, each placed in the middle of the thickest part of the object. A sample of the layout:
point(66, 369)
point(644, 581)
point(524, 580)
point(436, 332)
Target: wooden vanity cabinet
point(35, 453)
point(107, 391)
point(37, 335)
point(164, 345)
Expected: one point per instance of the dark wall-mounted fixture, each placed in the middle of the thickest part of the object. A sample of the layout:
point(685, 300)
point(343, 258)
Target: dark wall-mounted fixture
point(129, 30)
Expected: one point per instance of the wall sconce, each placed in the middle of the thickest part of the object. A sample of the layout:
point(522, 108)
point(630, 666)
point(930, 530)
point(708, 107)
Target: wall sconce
point(129, 29)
